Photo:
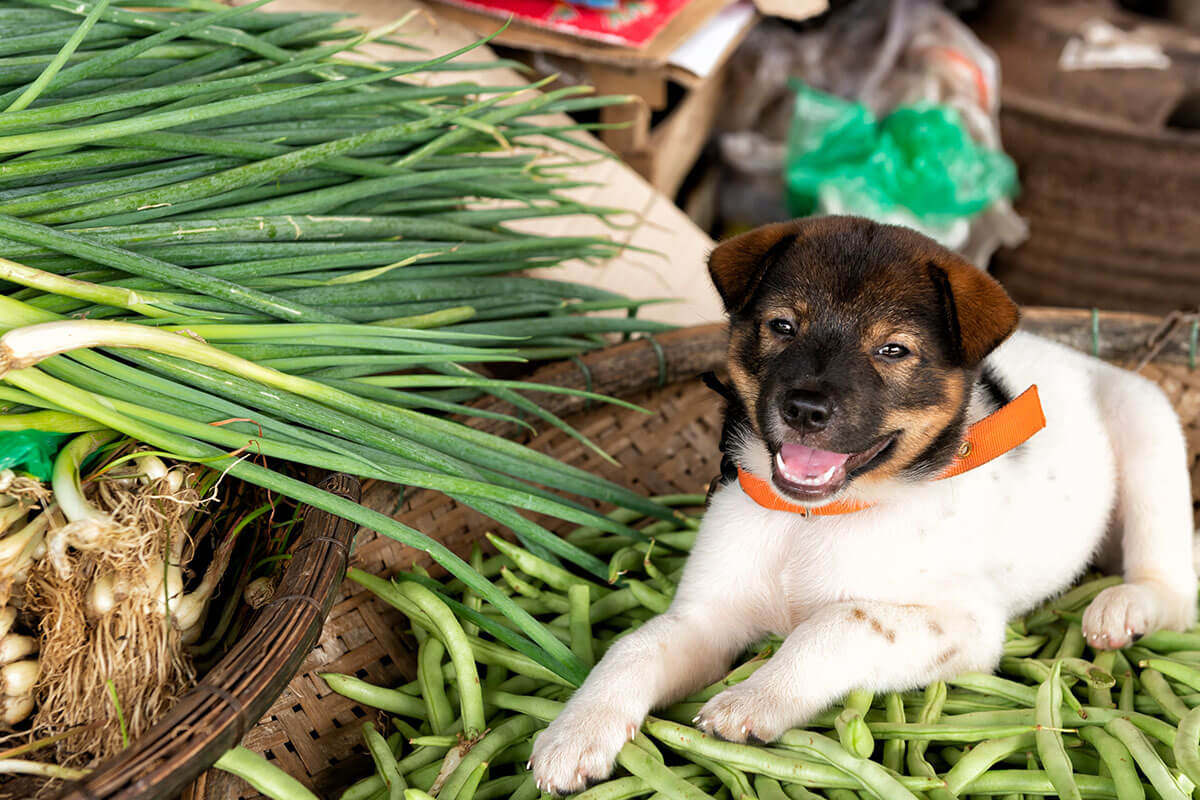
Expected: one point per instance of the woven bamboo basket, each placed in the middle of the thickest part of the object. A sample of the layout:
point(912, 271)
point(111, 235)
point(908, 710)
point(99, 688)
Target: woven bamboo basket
point(1109, 162)
point(314, 733)
point(238, 689)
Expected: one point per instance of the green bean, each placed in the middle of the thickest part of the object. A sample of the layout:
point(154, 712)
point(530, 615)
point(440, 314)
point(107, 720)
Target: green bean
point(1037, 782)
point(548, 600)
point(469, 787)
point(528, 789)
point(775, 764)
point(656, 775)
point(999, 687)
point(421, 757)
point(612, 604)
point(616, 789)
point(854, 734)
point(1087, 671)
point(632, 786)
point(1101, 696)
point(263, 775)
point(982, 757)
point(1072, 645)
point(1150, 763)
point(579, 597)
point(1076, 598)
point(458, 645)
point(536, 707)
point(647, 597)
point(893, 749)
point(1024, 645)
point(552, 575)
point(1117, 760)
point(622, 561)
point(433, 688)
point(734, 677)
point(472, 599)
point(385, 761)
point(768, 788)
point(1050, 747)
point(1190, 676)
point(795, 791)
point(434, 741)
point(934, 702)
point(494, 654)
point(1187, 745)
point(368, 694)
point(1170, 641)
point(1125, 698)
point(874, 777)
point(733, 779)
point(500, 738)
point(365, 789)
point(1157, 687)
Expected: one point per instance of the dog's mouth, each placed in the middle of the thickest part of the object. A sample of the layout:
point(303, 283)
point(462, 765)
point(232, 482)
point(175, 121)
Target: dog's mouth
point(809, 474)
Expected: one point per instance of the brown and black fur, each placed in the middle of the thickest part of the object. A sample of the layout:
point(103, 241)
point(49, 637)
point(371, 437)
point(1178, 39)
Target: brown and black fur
point(849, 286)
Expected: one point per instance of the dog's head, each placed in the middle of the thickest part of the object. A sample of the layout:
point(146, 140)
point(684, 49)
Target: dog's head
point(854, 346)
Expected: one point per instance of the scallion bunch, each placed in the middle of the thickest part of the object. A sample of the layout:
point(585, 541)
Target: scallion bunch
point(226, 237)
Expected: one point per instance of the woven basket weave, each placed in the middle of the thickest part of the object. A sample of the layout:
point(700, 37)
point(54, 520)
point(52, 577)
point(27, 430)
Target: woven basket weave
point(314, 734)
point(1110, 169)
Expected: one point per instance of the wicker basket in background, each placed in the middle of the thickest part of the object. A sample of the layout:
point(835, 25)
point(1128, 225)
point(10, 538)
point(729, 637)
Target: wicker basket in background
point(1109, 161)
point(315, 734)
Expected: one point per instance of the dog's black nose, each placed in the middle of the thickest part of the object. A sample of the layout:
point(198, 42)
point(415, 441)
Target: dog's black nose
point(807, 411)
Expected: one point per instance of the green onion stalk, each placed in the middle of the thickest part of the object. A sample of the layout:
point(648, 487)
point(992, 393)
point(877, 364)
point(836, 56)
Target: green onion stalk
point(227, 240)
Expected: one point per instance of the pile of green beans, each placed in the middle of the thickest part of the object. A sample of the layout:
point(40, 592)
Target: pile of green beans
point(1058, 719)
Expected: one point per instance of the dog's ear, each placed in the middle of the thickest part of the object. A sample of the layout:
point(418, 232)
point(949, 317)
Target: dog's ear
point(977, 312)
point(738, 265)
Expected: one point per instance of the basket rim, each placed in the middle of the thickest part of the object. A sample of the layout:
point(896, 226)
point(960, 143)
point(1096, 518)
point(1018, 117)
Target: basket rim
point(647, 362)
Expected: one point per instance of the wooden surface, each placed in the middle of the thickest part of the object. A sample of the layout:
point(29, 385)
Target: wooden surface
point(215, 715)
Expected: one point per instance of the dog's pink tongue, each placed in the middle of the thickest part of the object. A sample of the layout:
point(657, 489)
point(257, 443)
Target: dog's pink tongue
point(805, 462)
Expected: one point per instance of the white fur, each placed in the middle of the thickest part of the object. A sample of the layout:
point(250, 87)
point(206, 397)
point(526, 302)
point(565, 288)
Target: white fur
point(919, 586)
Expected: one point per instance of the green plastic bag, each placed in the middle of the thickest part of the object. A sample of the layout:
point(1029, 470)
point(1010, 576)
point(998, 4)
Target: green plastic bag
point(31, 451)
point(919, 160)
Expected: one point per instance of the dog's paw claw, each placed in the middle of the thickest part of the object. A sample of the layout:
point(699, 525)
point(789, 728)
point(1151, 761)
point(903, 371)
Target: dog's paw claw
point(739, 715)
point(1119, 616)
point(579, 750)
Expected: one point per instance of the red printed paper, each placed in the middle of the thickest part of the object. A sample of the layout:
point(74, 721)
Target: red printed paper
point(629, 23)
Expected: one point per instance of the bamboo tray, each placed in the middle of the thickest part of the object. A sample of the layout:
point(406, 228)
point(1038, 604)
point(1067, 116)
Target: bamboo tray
point(314, 734)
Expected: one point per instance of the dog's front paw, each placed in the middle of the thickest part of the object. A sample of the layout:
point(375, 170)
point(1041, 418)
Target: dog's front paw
point(1120, 615)
point(579, 748)
point(745, 713)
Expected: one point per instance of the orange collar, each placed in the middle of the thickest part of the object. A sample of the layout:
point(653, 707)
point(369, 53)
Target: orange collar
point(992, 436)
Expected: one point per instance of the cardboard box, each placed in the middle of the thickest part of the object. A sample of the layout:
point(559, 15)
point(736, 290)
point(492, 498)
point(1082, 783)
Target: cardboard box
point(662, 152)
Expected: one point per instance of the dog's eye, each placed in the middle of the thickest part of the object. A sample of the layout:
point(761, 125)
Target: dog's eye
point(782, 327)
point(892, 351)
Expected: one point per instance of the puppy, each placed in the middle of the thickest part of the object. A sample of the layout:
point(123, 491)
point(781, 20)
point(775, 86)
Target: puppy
point(860, 354)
